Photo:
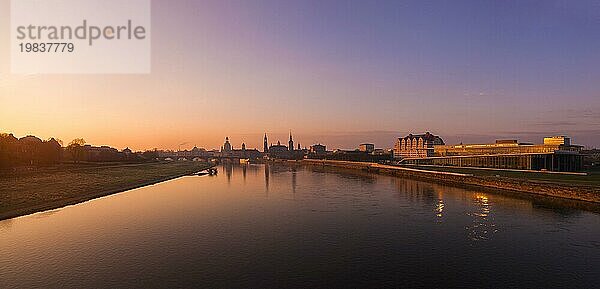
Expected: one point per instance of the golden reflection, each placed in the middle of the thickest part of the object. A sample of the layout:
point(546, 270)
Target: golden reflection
point(483, 226)
point(244, 167)
point(484, 204)
point(439, 208)
point(426, 193)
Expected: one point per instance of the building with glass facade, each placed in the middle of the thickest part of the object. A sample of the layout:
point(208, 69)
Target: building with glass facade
point(555, 154)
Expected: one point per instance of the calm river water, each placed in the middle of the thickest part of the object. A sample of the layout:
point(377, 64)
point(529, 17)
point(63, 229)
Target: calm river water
point(260, 226)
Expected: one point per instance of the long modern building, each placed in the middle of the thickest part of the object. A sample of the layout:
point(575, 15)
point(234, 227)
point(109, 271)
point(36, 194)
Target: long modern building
point(555, 154)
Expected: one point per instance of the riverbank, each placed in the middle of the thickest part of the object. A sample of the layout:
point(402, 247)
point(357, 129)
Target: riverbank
point(51, 188)
point(469, 179)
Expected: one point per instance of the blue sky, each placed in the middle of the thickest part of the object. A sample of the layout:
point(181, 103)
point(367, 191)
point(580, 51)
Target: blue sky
point(338, 72)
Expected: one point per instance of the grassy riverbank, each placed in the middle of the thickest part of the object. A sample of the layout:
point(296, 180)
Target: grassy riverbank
point(50, 188)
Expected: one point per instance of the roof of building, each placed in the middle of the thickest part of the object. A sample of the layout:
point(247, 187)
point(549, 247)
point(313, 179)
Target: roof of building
point(426, 136)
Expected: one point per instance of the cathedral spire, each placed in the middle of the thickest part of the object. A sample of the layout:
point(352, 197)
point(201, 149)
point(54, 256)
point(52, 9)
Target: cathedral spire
point(265, 145)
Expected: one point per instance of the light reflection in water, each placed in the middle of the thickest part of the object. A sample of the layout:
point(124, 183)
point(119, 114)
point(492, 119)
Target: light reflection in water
point(257, 226)
point(439, 208)
point(427, 193)
point(483, 227)
point(294, 181)
point(267, 174)
point(244, 168)
point(228, 168)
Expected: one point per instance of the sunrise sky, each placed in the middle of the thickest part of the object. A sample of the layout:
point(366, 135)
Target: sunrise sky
point(335, 72)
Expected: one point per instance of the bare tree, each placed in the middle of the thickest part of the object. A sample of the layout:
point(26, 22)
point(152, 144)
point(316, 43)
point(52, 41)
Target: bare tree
point(75, 148)
point(77, 141)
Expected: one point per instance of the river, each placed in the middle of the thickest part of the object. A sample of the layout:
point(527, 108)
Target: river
point(265, 226)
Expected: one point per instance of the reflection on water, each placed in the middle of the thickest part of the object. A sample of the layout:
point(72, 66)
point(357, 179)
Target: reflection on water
point(244, 169)
point(228, 168)
point(482, 227)
point(439, 208)
point(267, 173)
point(255, 226)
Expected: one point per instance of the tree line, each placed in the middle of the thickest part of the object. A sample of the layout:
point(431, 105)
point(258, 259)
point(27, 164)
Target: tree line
point(28, 151)
point(33, 151)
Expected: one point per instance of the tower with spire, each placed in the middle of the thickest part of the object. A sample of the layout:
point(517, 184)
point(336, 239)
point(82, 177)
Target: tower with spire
point(291, 143)
point(265, 145)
